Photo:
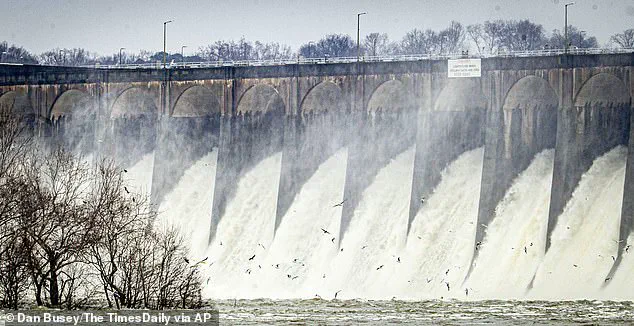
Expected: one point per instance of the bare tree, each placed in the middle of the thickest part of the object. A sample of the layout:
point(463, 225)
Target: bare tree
point(15, 54)
point(376, 44)
point(625, 39)
point(68, 57)
point(576, 38)
point(419, 42)
point(451, 39)
point(60, 223)
point(522, 35)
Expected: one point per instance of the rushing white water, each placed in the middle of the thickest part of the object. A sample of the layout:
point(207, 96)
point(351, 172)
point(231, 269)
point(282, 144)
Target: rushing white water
point(503, 268)
point(188, 205)
point(140, 175)
point(440, 242)
point(377, 261)
point(620, 287)
point(375, 235)
point(300, 248)
point(244, 231)
point(585, 237)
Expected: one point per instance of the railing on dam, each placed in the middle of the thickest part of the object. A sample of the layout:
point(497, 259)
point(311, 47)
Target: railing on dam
point(384, 58)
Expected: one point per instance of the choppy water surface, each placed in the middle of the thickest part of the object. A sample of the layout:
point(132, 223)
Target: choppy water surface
point(434, 312)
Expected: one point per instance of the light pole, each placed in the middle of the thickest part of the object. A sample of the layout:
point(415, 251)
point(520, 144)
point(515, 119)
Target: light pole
point(120, 50)
point(358, 29)
point(566, 27)
point(164, 42)
point(182, 53)
point(310, 49)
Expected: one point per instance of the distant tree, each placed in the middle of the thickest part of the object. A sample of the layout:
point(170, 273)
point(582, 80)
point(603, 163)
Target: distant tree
point(15, 54)
point(376, 44)
point(309, 50)
point(271, 51)
point(522, 35)
point(418, 41)
point(508, 35)
point(451, 39)
point(68, 57)
point(333, 45)
point(576, 38)
point(337, 45)
point(625, 39)
point(228, 51)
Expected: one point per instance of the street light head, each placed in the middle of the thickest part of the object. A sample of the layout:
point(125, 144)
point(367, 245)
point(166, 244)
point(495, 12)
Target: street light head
point(361, 13)
point(167, 22)
point(569, 4)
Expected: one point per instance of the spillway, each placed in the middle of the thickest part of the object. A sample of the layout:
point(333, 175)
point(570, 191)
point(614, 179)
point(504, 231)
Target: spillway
point(188, 206)
point(244, 231)
point(584, 240)
point(440, 243)
point(376, 235)
point(503, 269)
point(300, 248)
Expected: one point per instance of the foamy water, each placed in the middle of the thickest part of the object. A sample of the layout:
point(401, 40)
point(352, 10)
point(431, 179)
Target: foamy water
point(441, 240)
point(139, 176)
point(369, 251)
point(622, 285)
point(293, 265)
point(188, 205)
point(504, 268)
point(244, 231)
point(584, 240)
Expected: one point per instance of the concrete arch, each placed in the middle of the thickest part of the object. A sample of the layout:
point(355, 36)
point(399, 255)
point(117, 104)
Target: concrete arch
point(16, 102)
point(196, 101)
point(323, 97)
point(133, 102)
point(460, 95)
point(530, 92)
point(602, 88)
point(260, 99)
point(390, 95)
point(72, 102)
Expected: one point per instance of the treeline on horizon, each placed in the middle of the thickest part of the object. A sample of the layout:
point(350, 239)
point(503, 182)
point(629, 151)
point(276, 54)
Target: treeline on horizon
point(490, 37)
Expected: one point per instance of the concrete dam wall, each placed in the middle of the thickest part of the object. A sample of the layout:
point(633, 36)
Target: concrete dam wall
point(578, 106)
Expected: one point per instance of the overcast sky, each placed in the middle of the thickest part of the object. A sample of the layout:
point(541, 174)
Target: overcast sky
point(106, 25)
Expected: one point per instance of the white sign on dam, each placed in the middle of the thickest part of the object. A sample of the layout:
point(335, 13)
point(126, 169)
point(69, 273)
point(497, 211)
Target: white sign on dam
point(464, 68)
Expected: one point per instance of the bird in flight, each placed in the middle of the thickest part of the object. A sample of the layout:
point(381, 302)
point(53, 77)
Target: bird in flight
point(325, 231)
point(252, 257)
point(340, 204)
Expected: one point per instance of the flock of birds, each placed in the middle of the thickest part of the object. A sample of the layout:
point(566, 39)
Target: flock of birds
point(298, 262)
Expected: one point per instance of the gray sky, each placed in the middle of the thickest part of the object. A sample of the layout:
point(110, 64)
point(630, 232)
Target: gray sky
point(106, 25)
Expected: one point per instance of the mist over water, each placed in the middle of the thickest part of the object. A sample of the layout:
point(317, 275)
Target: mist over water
point(140, 174)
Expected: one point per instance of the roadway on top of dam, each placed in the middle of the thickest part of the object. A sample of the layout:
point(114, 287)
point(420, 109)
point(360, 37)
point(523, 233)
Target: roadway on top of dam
point(23, 74)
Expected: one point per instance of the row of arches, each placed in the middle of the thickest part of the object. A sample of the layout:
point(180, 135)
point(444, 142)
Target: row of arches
point(197, 101)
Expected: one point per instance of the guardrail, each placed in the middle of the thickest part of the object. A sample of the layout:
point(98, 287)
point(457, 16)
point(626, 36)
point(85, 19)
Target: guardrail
point(387, 58)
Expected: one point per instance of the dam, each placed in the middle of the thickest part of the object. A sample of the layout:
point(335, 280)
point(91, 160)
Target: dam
point(376, 179)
